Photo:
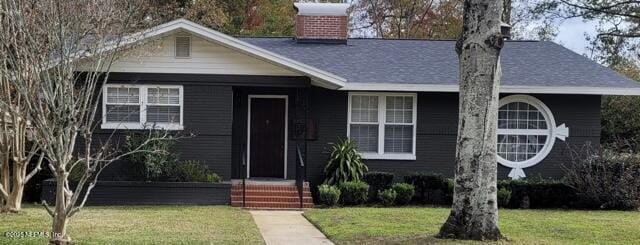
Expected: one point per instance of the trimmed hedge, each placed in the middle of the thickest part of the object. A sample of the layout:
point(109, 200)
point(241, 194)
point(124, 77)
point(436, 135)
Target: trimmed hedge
point(387, 197)
point(429, 188)
point(538, 194)
point(354, 192)
point(405, 193)
point(329, 195)
point(378, 181)
point(525, 193)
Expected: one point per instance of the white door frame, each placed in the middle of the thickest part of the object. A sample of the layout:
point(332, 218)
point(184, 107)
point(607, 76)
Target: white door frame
point(286, 129)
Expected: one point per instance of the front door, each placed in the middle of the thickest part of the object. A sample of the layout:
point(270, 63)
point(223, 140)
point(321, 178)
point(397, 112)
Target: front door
point(267, 132)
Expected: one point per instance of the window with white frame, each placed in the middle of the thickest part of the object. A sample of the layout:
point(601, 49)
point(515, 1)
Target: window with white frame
point(383, 125)
point(526, 133)
point(141, 106)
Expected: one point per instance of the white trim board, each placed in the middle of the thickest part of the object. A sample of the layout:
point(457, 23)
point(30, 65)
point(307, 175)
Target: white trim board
point(286, 129)
point(380, 154)
point(143, 103)
point(503, 89)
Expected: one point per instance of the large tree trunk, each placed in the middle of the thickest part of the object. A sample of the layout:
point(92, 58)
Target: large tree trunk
point(14, 203)
point(4, 177)
point(474, 213)
point(60, 217)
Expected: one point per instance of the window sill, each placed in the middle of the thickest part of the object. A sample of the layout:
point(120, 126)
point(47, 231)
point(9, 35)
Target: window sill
point(125, 126)
point(375, 156)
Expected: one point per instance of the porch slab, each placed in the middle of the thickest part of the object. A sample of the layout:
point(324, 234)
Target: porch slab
point(287, 227)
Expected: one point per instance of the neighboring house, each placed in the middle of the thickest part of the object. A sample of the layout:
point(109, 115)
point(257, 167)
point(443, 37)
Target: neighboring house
point(262, 98)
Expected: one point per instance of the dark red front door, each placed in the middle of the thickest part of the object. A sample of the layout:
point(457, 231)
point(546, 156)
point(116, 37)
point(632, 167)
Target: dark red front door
point(267, 129)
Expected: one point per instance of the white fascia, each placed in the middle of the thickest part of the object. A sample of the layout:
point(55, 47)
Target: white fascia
point(503, 89)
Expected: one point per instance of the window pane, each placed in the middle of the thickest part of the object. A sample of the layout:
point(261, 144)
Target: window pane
point(398, 139)
point(399, 109)
point(163, 114)
point(123, 95)
point(364, 109)
point(519, 115)
point(518, 148)
point(365, 136)
point(123, 113)
point(166, 96)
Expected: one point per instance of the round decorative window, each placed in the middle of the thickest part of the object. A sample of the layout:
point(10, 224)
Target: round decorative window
point(526, 133)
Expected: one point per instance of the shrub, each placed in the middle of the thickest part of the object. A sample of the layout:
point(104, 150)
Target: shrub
point(194, 171)
point(378, 181)
point(154, 161)
point(449, 191)
point(504, 195)
point(621, 120)
point(404, 192)
point(345, 163)
point(387, 197)
point(604, 179)
point(430, 188)
point(537, 193)
point(328, 194)
point(354, 192)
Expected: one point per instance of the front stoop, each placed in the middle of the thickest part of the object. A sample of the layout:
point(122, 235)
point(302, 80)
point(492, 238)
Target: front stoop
point(272, 195)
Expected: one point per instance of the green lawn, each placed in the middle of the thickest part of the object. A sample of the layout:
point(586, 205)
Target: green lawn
point(419, 225)
point(141, 225)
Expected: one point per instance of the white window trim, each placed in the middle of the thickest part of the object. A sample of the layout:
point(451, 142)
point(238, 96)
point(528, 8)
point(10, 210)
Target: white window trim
point(175, 46)
point(382, 111)
point(143, 109)
point(553, 132)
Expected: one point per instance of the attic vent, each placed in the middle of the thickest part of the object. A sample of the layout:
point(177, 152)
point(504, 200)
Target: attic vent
point(183, 46)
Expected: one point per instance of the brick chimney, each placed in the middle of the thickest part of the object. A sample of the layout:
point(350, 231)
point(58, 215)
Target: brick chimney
point(321, 22)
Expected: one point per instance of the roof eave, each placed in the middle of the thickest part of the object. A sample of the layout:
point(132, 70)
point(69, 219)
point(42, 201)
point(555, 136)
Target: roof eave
point(318, 77)
point(503, 89)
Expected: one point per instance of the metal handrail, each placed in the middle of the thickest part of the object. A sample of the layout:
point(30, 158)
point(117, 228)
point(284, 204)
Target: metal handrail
point(300, 174)
point(244, 175)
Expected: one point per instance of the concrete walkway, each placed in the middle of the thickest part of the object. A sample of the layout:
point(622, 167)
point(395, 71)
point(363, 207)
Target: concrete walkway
point(287, 227)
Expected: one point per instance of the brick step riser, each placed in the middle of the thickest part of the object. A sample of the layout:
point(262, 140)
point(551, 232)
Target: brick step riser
point(272, 205)
point(272, 199)
point(271, 193)
point(271, 196)
point(233, 188)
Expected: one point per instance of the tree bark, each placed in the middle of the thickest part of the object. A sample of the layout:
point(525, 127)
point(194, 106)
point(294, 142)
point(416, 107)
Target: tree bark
point(16, 191)
point(59, 227)
point(474, 213)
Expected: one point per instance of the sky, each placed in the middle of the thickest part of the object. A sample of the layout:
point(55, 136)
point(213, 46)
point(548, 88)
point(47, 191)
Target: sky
point(571, 34)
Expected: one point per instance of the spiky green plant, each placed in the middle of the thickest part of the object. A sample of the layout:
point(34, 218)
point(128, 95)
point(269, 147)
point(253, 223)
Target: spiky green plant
point(345, 163)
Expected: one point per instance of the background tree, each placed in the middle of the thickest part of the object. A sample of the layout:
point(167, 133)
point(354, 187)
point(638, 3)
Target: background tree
point(618, 24)
point(16, 148)
point(526, 25)
point(615, 45)
point(433, 19)
point(48, 42)
point(242, 17)
point(474, 213)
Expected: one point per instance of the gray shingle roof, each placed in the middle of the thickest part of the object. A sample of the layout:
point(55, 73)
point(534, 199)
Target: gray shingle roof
point(524, 63)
